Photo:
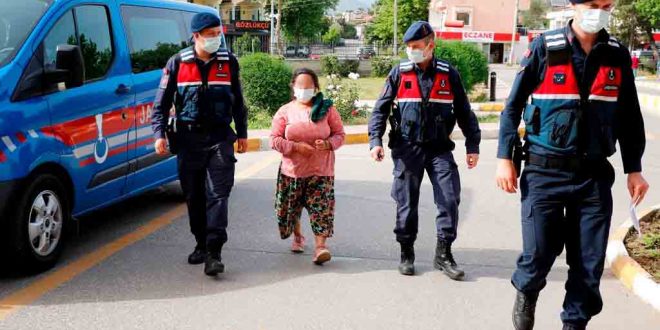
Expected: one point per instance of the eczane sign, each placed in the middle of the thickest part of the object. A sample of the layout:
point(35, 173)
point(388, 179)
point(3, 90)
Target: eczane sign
point(478, 36)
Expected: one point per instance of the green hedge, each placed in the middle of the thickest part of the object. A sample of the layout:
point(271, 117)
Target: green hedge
point(382, 65)
point(330, 64)
point(265, 81)
point(467, 58)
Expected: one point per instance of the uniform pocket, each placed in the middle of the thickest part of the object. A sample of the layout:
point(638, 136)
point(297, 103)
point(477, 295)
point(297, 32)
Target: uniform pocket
point(532, 117)
point(564, 128)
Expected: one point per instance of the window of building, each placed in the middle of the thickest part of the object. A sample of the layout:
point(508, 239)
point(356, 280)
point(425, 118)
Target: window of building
point(464, 16)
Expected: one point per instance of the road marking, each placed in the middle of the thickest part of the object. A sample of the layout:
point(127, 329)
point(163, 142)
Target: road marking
point(27, 295)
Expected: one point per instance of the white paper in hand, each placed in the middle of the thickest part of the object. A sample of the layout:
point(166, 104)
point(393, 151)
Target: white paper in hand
point(633, 216)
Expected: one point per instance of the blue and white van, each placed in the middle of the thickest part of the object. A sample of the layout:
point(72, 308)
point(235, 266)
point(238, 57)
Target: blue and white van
point(77, 83)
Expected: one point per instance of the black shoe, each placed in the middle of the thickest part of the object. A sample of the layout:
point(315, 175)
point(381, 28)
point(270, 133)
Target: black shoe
point(523, 311)
point(197, 257)
point(213, 265)
point(444, 261)
point(568, 326)
point(407, 267)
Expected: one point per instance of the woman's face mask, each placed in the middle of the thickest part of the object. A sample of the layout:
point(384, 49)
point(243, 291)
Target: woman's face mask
point(594, 20)
point(304, 95)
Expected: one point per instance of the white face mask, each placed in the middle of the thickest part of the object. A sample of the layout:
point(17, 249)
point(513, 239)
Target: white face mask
point(416, 55)
point(594, 20)
point(211, 45)
point(304, 95)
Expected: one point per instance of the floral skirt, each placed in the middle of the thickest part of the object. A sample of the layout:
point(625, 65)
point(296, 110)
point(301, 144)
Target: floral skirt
point(316, 194)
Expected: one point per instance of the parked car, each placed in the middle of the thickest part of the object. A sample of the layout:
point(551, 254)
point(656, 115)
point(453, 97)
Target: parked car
point(646, 59)
point(292, 51)
point(366, 52)
point(79, 78)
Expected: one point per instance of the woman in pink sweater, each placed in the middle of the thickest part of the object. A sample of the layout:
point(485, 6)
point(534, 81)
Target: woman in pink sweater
point(307, 131)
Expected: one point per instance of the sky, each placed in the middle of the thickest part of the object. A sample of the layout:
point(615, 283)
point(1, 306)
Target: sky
point(354, 4)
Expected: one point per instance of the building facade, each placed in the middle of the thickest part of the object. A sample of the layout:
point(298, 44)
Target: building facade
point(489, 24)
point(242, 17)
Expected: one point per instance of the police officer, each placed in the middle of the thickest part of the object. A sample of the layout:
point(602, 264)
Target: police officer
point(424, 98)
point(583, 100)
point(202, 82)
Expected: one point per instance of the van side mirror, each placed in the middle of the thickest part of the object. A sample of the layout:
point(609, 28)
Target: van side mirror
point(69, 67)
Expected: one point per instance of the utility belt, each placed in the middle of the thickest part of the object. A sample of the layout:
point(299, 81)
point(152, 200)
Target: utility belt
point(177, 127)
point(562, 163)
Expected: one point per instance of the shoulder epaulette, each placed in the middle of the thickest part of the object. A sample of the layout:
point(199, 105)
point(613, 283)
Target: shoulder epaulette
point(614, 43)
point(187, 55)
point(406, 66)
point(442, 65)
point(222, 55)
point(555, 40)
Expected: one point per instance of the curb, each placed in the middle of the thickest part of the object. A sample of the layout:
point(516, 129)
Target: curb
point(263, 143)
point(488, 107)
point(627, 270)
point(650, 103)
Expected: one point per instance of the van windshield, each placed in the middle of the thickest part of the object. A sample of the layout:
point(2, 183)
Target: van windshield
point(17, 20)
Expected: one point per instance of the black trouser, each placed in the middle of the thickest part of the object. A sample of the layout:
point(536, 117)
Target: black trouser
point(206, 172)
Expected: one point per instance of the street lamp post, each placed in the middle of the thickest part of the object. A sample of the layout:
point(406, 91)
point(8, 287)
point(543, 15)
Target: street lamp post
point(396, 32)
point(272, 27)
point(513, 35)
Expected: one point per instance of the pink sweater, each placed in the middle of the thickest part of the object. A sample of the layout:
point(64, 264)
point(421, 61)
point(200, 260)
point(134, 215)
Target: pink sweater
point(292, 124)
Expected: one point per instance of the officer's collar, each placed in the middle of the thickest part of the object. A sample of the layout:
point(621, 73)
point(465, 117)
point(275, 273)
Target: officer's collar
point(603, 36)
point(430, 68)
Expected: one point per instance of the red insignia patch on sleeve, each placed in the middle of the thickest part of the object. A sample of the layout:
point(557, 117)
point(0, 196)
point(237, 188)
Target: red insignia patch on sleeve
point(527, 53)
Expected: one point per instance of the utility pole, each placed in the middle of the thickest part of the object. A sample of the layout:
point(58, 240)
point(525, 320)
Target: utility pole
point(395, 51)
point(515, 29)
point(272, 27)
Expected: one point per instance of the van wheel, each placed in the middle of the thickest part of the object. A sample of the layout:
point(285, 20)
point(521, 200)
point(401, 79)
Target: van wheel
point(39, 224)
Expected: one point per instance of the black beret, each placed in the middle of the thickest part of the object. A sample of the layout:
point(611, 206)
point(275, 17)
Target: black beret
point(203, 21)
point(579, 1)
point(418, 30)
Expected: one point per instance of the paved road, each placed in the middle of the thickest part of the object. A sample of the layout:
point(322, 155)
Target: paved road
point(148, 285)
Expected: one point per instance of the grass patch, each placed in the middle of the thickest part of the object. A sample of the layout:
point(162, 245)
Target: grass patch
point(370, 88)
point(489, 119)
point(646, 251)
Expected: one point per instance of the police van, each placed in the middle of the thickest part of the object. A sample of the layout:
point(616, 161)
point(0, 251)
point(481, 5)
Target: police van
point(77, 83)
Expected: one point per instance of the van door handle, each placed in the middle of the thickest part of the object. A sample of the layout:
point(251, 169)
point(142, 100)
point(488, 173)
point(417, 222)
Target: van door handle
point(123, 89)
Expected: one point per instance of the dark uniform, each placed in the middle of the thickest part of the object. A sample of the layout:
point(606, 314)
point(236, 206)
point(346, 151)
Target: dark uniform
point(206, 98)
point(581, 105)
point(429, 103)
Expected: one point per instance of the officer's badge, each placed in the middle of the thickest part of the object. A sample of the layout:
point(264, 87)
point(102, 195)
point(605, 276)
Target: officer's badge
point(408, 85)
point(220, 66)
point(443, 83)
point(612, 75)
point(165, 79)
point(559, 78)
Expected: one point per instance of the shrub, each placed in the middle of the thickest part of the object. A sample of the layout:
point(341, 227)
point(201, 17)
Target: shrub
point(469, 60)
point(330, 64)
point(265, 81)
point(382, 65)
point(344, 94)
point(247, 44)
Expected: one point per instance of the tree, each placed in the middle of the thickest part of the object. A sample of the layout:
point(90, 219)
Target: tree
point(247, 44)
point(409, 11)
point(303, 19)
point(349, 31)
point(648, 12)
point(333, 35)
point(534, 18)
point(635, 18)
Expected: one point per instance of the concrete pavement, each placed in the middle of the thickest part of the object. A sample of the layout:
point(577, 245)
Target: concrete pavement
point(148, 285)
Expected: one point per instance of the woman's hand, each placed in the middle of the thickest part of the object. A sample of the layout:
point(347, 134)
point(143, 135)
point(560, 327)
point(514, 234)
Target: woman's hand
point(322, 145)
point(303, 148)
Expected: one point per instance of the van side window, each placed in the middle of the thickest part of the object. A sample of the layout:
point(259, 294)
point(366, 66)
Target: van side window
point(93, 36)
point(95, 40)
point(63, 32)
point(154, 35)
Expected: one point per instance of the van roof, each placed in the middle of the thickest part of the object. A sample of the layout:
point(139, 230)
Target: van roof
point(171, 4)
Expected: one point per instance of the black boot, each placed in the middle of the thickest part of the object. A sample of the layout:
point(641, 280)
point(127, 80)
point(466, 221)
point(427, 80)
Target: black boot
point(444, 261)
point(213, 265)
point(523, 311)
point(568, 326)
point(198, 256)
point(407, 267)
